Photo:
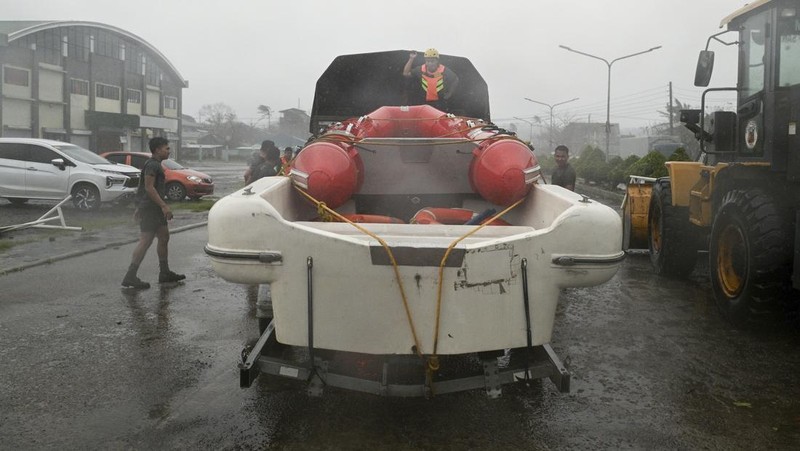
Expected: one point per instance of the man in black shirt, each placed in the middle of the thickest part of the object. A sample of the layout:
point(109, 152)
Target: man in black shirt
point(564, 174)
point(152, 213)
point(263, 164)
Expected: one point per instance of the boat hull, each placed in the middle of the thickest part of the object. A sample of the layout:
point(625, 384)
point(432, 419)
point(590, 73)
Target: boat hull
point(264, 235)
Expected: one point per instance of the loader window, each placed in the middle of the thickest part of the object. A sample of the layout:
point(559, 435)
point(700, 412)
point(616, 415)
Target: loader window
point(753, 54)
point(789, 53)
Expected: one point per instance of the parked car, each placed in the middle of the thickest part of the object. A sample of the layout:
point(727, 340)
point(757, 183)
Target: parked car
point(181, 181)
point(51, 170)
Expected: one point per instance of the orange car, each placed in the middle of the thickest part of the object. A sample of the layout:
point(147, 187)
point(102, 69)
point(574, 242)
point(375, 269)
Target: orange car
point(181, 181)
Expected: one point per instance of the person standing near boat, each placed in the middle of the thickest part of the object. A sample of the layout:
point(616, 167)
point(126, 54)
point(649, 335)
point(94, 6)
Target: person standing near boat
point(286, 161)
point(264, 164)
point(437, 82)
point(564, 174)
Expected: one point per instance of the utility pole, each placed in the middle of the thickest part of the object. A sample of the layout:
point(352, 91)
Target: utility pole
point(671, 114)
point(608, 90)
point(550, 133)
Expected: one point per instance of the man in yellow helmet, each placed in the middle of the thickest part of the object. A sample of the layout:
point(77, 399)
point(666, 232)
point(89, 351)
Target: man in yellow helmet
point(437, 82)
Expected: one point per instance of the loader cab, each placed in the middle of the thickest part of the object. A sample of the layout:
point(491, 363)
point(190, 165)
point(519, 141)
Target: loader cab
point(763, 127)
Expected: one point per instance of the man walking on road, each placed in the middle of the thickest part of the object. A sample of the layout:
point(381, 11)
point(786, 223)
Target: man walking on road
point(152, 213)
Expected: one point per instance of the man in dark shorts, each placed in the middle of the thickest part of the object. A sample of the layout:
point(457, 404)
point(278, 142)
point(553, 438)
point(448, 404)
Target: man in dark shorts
point(152, 213)
point(564, 174)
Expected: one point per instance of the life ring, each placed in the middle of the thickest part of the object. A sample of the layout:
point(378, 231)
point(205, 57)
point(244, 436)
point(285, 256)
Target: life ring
point(450, 216)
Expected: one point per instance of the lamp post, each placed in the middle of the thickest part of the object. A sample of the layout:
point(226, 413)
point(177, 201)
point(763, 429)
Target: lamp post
point(608, 100)
point(551, 114)
point(530, 130)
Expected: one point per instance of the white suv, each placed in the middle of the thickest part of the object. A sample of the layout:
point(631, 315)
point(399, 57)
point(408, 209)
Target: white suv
point(51, 170)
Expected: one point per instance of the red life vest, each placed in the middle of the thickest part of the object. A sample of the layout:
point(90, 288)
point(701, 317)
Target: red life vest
point(432, 83)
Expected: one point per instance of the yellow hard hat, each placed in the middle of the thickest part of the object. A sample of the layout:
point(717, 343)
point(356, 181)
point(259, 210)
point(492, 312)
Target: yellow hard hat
point(431, 53)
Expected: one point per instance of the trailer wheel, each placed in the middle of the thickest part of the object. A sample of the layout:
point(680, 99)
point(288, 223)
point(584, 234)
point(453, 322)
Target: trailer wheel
point(673, 240)
point(750, 255)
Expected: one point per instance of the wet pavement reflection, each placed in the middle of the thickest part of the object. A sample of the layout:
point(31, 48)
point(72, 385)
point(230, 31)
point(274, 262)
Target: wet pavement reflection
point(88, 365)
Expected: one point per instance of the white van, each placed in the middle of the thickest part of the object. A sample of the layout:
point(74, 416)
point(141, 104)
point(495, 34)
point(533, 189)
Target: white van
point(51, 170)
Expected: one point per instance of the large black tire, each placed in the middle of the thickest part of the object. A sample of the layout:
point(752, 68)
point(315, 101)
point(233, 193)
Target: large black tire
point(86, 197)
point(750, 255)
point(17, 200)
point(673, 240)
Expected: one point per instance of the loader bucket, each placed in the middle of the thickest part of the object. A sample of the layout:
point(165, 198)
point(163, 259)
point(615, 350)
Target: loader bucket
point(635, 209)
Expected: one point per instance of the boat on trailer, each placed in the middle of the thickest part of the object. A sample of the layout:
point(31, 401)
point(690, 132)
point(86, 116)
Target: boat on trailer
point(409, 233)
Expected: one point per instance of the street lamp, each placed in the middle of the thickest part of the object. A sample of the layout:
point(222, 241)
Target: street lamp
point(530, 131)
point(551, 114)
point(608, 101)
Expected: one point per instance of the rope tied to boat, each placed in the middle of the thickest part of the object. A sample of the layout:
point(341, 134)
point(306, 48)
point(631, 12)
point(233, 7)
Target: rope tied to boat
point(322, 212)
point(333, 214)
point(433, 359)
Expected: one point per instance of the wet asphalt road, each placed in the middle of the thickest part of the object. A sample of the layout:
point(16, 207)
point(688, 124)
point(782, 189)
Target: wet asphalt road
point(85, 364)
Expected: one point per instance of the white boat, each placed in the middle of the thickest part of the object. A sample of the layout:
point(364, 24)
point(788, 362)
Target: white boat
point(498, 287)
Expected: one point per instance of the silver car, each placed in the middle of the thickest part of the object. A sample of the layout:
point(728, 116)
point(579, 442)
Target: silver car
point(52, 170)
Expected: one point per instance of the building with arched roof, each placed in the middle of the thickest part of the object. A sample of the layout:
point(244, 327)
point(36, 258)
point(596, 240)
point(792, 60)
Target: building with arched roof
point(95, 85)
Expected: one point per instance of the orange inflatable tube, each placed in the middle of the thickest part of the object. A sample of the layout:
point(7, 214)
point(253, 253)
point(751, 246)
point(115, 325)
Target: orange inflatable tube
point(450, 216)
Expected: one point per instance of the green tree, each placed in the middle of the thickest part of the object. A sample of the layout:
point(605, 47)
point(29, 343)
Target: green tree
point(651, 165)
point(679, 155)
point(619, 169)
point(592, 165)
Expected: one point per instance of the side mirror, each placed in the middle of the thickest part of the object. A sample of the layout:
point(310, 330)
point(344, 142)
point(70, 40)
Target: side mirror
point(705, 66)
point(59, 163)
point(690, 116)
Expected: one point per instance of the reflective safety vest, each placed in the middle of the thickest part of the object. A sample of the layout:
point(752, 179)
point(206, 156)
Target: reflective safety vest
point(286, 166)
point(432, 83)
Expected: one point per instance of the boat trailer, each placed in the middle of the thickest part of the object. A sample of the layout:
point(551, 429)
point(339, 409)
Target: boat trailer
point(496, 368)
point(541, 362)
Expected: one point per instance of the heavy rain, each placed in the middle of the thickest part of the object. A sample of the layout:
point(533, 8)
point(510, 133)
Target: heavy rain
point(410, 226)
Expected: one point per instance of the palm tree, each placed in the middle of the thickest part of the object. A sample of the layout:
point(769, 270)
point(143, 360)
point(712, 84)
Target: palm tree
point(264, 111)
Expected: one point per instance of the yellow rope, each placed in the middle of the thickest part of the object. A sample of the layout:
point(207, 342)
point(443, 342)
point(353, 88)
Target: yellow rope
point(433, 359)
point(332, 213)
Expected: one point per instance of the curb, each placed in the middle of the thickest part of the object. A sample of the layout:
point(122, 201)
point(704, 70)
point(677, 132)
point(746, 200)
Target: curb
point(101, 247)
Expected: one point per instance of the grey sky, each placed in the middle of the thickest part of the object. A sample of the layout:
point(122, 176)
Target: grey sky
point(246, 52)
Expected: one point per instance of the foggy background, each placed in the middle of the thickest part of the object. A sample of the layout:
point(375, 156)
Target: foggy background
point(246, 53)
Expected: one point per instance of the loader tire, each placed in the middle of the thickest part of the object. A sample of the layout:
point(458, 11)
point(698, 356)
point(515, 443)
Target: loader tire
point(673, 241)
point(750, 256)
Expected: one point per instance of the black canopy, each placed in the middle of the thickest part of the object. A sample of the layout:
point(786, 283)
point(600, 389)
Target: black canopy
point(354, 85)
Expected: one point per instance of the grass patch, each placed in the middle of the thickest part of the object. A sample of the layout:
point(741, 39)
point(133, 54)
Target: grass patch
point(195, 206)
point(6, 245)
point(92, 224)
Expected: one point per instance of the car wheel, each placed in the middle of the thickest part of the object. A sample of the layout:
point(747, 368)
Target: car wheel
point(17, 200)
point(175, 192)
point(86, 197)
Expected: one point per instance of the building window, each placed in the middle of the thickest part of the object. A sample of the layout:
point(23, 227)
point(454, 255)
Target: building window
point(106, 91)
point(153, 73)
point(170, 103)
point(134, 96)
point(79, 87)
point(78, 43)
point(14, 76)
